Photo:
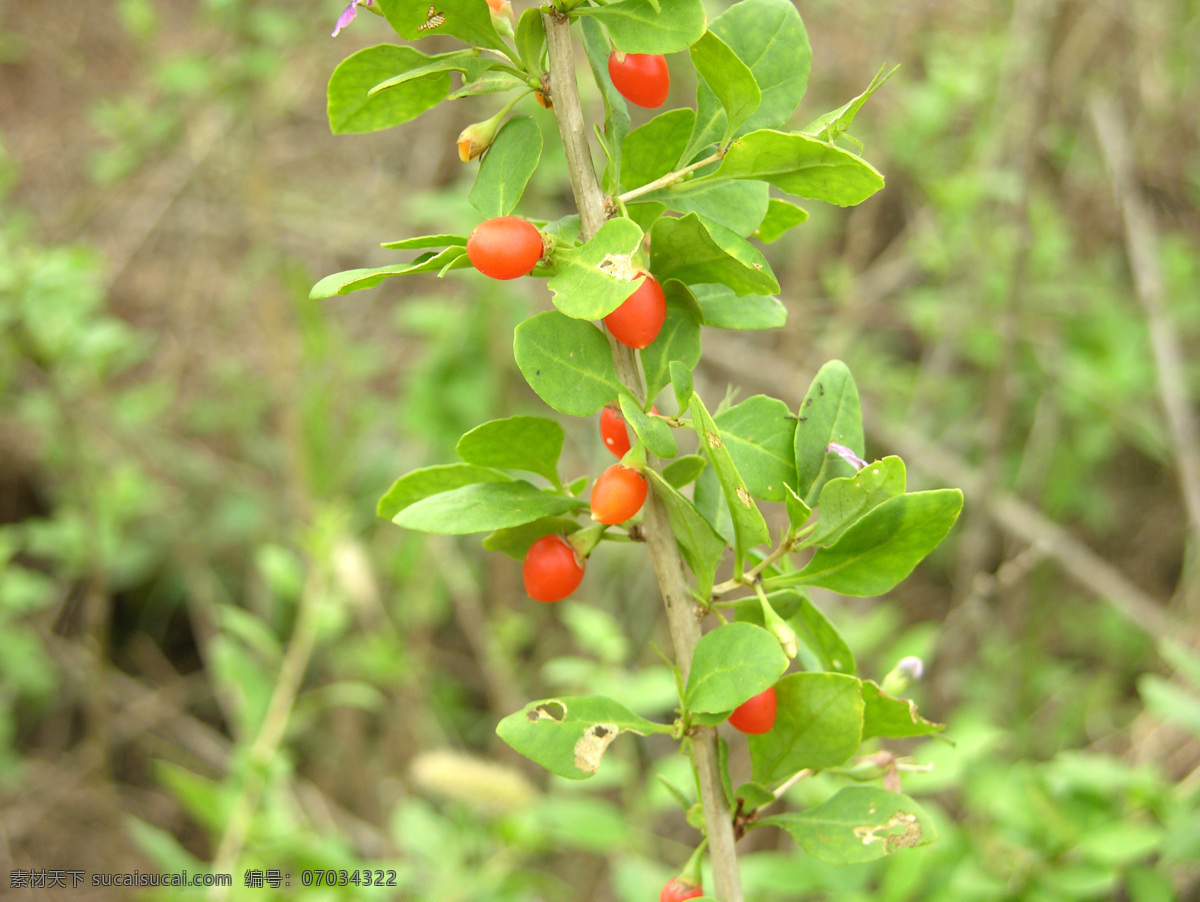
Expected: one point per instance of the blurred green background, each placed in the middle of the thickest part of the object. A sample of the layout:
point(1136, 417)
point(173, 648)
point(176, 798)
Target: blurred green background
point(191, 451)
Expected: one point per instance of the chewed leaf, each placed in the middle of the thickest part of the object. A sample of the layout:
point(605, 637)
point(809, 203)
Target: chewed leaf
point(569, 736)
point(858, 824)
point(892, 717)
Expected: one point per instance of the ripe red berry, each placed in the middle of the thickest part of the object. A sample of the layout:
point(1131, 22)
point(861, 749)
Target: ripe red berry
point(618, 494)
point(757, 715)
point(552, 569)
point(642, 78)
point(614, 431)
point(506, 247)
point(640, 318)
point(678, 889)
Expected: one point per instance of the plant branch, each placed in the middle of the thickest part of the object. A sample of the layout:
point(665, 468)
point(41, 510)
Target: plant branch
point(669, 179)
point(1141, 243)
point(270, 735)
point(656, 527)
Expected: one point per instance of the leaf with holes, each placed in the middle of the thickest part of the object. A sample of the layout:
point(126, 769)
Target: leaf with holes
point(857, 825)
point(569, 735)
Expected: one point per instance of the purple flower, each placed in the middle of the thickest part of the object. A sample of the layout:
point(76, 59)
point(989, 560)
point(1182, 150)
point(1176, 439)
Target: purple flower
point(349, 13)
point(846, 454)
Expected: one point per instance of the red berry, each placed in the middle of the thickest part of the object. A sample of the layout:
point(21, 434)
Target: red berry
point(757, 715)
point(640, 318)
point(642, 78)
point(506, 247)
point(618, 494)
point(678, 889)
point(552, 569)
point(613, 431)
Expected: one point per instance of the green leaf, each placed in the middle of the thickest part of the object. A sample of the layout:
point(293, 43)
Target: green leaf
point(694, 249)
point(738, 206)
point(829, 413)
point(760, 433)
point(732, 664)
point(507, 167)
point(699, 543)
point(649, 151)
point(595, 278)
point(637, 26)
point(894, 718)
point(516, 443)
point(616, 113)
point(882, 548)
point(753, 796)
point(681, 383)
point(1170, 702)
point(418, 484)
point(654, 433)
point(818, 724)
point(748, 524)
point(352, 111)
point(769, 37)
point(821, 637)
point(468, 20)
point(567, 362)
point(730, 80)
point(493, 81)
point(467, 62)
point(684, 470)
point(420, 242)
point(845, 499)
point(677, 343)
point(515, 540)
point(531, 39)
point(859, 824)
point(725, 310)
point(483, 507)
point(801, 165)
point(781, 216)
point(830, 126)
point(569, 735)
point(454, 257)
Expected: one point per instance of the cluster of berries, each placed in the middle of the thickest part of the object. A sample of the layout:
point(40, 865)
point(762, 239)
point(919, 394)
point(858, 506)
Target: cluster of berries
point(553, 568)
point(509, 247)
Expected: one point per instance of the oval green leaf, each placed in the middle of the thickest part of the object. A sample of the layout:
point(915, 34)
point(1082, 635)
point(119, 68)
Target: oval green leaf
point(830, 412)
point(483, 507)
point(352, 111)
point(818, 724)
point(515, 443)
point(731, 665)
point(418, 484)
point(760, 433)
point(507, 167)
point(694, 249)
point(567, 362)
point(595, 278)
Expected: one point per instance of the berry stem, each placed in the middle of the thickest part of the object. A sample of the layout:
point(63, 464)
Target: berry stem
point(656, 527)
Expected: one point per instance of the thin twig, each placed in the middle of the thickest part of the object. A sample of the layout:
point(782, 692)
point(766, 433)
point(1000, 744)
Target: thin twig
point(669, 179)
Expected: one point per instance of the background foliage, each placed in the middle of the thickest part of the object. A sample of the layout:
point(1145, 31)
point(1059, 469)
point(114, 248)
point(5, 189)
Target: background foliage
point(191, 450)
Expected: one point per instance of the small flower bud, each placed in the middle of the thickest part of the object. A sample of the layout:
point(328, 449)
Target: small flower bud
point(780, 629)
point(906, 672)
point(475, 139)
point(846, 454)
point(503, 17)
